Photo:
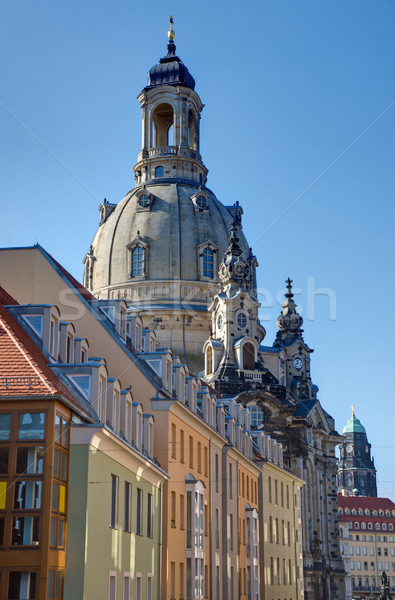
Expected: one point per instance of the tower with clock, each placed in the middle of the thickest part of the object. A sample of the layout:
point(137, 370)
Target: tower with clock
point(356, 471)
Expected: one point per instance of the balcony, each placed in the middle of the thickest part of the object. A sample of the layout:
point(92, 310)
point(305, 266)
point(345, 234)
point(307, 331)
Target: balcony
point(173, 151)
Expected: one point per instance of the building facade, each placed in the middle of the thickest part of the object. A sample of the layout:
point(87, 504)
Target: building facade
point(371, 542)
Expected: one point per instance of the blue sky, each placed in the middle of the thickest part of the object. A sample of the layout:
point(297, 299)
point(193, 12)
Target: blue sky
point(299, 119)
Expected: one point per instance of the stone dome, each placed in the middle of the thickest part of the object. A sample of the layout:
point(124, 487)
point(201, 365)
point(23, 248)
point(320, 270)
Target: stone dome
point(171, 229)
point(182, 225)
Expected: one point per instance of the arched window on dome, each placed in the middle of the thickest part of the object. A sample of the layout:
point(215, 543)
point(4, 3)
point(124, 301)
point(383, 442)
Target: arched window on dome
point(159, 171)
point(248, 357)
point(208, 263)
point(137, 261)
point(137, 258)
point(207, 254)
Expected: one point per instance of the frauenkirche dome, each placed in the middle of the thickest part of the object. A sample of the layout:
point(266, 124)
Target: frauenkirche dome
point(161, 246)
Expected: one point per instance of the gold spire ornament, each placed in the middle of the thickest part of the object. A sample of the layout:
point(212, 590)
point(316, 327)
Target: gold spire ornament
point(170, 34)
point(352, 411)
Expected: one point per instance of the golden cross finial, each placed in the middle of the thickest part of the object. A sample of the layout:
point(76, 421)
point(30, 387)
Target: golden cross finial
point(352, 411)
point(171, 35)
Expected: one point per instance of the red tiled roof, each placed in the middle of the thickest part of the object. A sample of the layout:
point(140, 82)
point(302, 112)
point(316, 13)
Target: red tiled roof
point(6, 299)
point(370, 502)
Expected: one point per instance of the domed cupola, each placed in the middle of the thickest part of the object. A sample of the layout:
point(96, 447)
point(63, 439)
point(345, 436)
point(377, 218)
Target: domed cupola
point(170, 70)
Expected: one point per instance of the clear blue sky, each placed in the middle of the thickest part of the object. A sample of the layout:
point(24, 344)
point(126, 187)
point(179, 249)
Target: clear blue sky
point(289, 87)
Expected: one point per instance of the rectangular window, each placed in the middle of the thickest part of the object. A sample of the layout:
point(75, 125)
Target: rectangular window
point(29, 460)
point(199, 457)
point(31, 426)
point(150, 531)
point(217, 528)
point(189, 520)
point(282, 493)
point(25, 531)
point(182, 449)
point(230, 482)
point(149, 587)
point(206, 461)
point(21, 585)
point(114, 502)
point(54, 589)
point(27, 495)
point(173, 441)
point(182, 511)
point(139, 512)
point(270, 488)
point(216, 473)
point(231, 530)
point(191, 451)
point(172, 579)
point(112, 587)
point(139, 590)
point(126, 586)
point(275, 492)
point(173, 509)
point(5, 427)
point(182, 580)
point(128, 507)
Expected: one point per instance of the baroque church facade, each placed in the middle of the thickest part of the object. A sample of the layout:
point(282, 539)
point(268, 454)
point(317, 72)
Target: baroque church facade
point(180, 259)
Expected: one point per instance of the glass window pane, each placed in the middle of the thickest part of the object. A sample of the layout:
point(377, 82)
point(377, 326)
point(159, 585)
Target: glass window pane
point(27, 495)
point(50, 585)
point(52, 539)
point(62, 499)
point(3, 494)
point(56, 459)
point(22, 585)
point(58, 585)
point(25, 531)
point(60, 533)
point(65, 433)
point(30, 460)
point(31, 426)
point(58, 429)
point(63, 470)
point(55, 496)
point(3, 460)
point(5, 426)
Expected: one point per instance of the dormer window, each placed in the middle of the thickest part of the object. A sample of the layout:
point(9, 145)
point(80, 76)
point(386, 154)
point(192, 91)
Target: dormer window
point(137, 253)
point(35, 322)
point(201, 202)
point(208, 260)
point(144, 200)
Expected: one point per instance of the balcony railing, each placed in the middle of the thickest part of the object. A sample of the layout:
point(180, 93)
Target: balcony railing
point(172, 151)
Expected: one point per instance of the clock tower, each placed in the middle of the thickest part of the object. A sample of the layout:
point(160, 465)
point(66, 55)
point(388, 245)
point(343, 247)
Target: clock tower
point(356, 471)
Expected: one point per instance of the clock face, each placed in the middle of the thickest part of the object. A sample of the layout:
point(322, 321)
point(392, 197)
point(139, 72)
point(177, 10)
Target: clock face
point(349, 448)
point(298, 363)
